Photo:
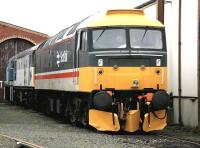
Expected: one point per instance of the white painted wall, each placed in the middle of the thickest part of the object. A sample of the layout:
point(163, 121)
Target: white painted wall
point(189, 47)
point(189, 56)
point(190, 61)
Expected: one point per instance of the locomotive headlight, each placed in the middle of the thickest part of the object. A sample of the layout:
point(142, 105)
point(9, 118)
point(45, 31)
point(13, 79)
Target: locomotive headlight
point(100, 71)
point(135, 83)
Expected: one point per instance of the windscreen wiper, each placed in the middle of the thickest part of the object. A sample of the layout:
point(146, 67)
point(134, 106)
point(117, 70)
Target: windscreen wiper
point(103, 30)
point(100, 34)
point(145, 32)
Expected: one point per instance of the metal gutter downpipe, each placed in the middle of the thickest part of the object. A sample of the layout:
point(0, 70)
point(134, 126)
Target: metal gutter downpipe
point(179, 63)
point(198, 63)
point(160, 10)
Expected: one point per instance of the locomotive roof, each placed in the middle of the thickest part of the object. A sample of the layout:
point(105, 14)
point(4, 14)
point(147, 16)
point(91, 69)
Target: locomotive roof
point(121, 17)
point(23, 53)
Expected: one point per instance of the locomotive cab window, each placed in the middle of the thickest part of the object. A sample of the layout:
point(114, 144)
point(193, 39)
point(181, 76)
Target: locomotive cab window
point(146, 38)
point(109, 38)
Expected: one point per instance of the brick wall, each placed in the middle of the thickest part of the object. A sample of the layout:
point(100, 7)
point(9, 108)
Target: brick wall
point(8, 31)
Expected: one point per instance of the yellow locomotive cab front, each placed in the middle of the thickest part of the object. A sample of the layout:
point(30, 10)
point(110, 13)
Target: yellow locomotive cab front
point(132, 67)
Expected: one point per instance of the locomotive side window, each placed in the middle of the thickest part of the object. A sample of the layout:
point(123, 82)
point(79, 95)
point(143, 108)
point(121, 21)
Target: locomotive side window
point(52, 40)
point(109, 38)
point(67, 31)
point(60, 35)
point(73, 29)
point(146, 38)
point(32, 60)
point(14, 70)
point(84, 41)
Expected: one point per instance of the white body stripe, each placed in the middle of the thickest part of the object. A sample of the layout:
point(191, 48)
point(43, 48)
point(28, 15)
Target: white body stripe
point(55, 72)
point(62, 84)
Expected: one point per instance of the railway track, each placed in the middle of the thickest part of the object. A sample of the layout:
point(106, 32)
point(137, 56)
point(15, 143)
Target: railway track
point(192, 143)
point(22, 143)
point(16, 121)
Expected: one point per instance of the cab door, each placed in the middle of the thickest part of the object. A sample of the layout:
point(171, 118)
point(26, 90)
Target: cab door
point(79, 55)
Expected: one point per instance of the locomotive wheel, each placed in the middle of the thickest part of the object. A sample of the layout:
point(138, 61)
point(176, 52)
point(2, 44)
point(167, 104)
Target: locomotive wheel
point(72, 117)
point(47, 107)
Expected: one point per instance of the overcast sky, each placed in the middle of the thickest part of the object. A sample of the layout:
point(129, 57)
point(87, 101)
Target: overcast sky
point(51, 16)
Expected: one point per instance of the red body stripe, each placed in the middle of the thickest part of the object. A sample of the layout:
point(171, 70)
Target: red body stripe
point(58, 75)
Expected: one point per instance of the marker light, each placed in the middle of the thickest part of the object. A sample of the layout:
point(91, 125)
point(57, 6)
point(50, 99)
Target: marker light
point(135, 83)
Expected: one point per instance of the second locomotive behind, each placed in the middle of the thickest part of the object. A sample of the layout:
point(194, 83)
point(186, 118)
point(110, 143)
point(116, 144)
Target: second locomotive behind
point(108, 71)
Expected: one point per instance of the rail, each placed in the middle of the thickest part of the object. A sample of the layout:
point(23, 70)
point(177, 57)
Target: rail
point(22, 142)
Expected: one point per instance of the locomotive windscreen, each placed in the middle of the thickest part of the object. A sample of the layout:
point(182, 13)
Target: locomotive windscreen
point(123, 38)
point(146, 38)
point(109, 38)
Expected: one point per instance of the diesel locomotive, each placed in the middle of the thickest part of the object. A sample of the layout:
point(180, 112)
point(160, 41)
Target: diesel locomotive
point(108, 71)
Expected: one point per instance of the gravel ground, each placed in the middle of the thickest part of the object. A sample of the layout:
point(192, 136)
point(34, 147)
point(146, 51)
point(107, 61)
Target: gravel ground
point(191, 134)
point(7, 143)
point(34, 127)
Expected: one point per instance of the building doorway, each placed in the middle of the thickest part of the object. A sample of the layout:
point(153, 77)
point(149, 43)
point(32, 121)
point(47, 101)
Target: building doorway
point(9, 48)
